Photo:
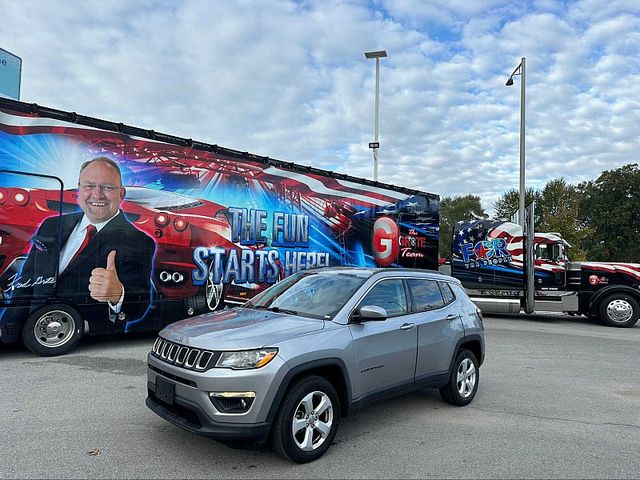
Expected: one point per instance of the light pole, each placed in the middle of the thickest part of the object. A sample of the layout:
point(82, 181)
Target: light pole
point(528, 280)
point(520, 70)
point(375, 144)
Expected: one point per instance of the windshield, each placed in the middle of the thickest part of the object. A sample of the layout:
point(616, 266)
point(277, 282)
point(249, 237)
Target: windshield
point(557, 252)
point(317, 295)
point(550, 252)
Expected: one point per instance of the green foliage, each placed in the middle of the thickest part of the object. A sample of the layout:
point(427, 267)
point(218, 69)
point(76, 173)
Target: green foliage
point(609, 209)
point(599, 218)
point(557, 208)
point(452, 210)
point(508, 204)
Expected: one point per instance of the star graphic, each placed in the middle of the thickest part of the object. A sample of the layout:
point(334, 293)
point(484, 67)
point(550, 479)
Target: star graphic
point(481, 251)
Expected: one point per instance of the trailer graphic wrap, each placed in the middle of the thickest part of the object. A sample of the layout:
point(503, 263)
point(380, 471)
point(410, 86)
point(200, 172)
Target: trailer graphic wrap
point(488, 254)
point(217, 226)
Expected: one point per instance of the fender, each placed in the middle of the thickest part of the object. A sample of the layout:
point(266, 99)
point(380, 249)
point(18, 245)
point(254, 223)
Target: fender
point(597, 296)
point(15, 316)
point(474, 337)
point(306, 367)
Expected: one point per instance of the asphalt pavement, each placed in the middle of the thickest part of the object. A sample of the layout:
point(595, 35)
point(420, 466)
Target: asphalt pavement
point(559, 397)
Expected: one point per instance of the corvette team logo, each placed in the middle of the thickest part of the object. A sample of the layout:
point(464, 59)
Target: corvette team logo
point(384, 243)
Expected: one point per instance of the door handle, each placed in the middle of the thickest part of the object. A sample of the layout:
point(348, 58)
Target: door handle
point(407, 326)
point(451, 316)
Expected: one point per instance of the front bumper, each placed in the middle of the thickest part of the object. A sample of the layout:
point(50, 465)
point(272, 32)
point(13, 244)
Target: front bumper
point(190, 416)
point(191, 408)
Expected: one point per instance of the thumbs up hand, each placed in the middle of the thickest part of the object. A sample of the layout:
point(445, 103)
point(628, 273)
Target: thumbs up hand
point(104, 283)
point(111, 260)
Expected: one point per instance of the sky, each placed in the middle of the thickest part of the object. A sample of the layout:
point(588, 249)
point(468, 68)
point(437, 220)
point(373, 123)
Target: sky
point(289, 80)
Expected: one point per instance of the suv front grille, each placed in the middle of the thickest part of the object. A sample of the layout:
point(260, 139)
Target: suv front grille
point(190, 358)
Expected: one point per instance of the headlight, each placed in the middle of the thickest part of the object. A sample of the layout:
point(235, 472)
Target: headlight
point(247, 359)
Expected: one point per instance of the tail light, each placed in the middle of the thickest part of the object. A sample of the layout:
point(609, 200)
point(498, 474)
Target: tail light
point(20, 197)
point(180, 224)
point(479, 313)
point(162, 220)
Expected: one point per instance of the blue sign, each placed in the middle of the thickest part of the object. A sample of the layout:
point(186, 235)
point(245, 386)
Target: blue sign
point(10, 70)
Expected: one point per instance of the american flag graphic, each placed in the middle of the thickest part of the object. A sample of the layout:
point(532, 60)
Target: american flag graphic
point(206, 167)
point(478, 230)
point(629, 269)
point(341, 208)
point(470, 232)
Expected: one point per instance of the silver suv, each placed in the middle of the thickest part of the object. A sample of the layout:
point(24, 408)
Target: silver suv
point(287, 365)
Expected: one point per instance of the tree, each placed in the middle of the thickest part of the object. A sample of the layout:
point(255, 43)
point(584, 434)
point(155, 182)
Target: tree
point(558, 209)
point(610, 208)
point(509, 203)
point(452, 210)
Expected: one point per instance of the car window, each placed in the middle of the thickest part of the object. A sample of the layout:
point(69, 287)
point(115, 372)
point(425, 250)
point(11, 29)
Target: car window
point(458, 290)
point(447, 293)
point(388, 294)
point(426, 294)
point(309, 294)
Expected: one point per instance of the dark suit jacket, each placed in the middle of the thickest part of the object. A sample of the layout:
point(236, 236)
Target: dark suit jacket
point(134, 260)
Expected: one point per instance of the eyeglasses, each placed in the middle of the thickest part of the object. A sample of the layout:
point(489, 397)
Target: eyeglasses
point(90, 187)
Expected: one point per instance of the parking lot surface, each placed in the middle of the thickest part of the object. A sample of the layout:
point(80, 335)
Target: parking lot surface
point(559, 397)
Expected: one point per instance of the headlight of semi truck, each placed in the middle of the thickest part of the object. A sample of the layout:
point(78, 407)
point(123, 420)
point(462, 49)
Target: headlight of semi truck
point(246, 359)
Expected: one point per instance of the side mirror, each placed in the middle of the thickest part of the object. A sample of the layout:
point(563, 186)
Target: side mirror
point(370, 312)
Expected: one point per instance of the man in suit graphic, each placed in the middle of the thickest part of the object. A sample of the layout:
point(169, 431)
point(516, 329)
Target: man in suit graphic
point(104, 263)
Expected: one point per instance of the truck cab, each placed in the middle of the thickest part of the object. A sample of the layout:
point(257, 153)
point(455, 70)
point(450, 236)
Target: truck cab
point(550, 255)
point(488, 257)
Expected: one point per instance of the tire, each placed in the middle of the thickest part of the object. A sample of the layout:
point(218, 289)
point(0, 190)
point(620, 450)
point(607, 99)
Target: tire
point(299, 432)
point(463, 380)
point(52, 330)
point(619, 310)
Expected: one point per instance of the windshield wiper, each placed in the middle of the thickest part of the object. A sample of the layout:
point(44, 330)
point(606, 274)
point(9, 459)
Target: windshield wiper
point(276, 309)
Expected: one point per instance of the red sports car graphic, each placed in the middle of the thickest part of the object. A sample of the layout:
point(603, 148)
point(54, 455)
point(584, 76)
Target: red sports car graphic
point(178, 224)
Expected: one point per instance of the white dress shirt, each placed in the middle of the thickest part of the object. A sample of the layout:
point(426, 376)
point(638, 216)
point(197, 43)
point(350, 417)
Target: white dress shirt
point(73, 245)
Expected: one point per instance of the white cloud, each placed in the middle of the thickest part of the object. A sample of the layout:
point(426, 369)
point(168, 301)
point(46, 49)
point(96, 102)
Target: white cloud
point(288, 79)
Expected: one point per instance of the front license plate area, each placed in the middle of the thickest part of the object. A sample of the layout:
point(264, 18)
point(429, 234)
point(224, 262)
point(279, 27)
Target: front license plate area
point(165, 390)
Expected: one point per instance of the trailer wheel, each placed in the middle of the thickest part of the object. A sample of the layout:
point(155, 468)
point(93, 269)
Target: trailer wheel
point(52, 330)
point(619, 310)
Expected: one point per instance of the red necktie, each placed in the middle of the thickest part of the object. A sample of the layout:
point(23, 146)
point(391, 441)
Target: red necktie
point(91, 231)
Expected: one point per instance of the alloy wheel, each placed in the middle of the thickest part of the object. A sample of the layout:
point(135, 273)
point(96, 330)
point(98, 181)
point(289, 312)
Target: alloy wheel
point(312, 421)
point(466, 378)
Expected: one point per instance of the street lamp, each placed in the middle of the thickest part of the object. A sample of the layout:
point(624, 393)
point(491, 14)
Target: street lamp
point(520, 70)
point(375, 144)
point(528, 283)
